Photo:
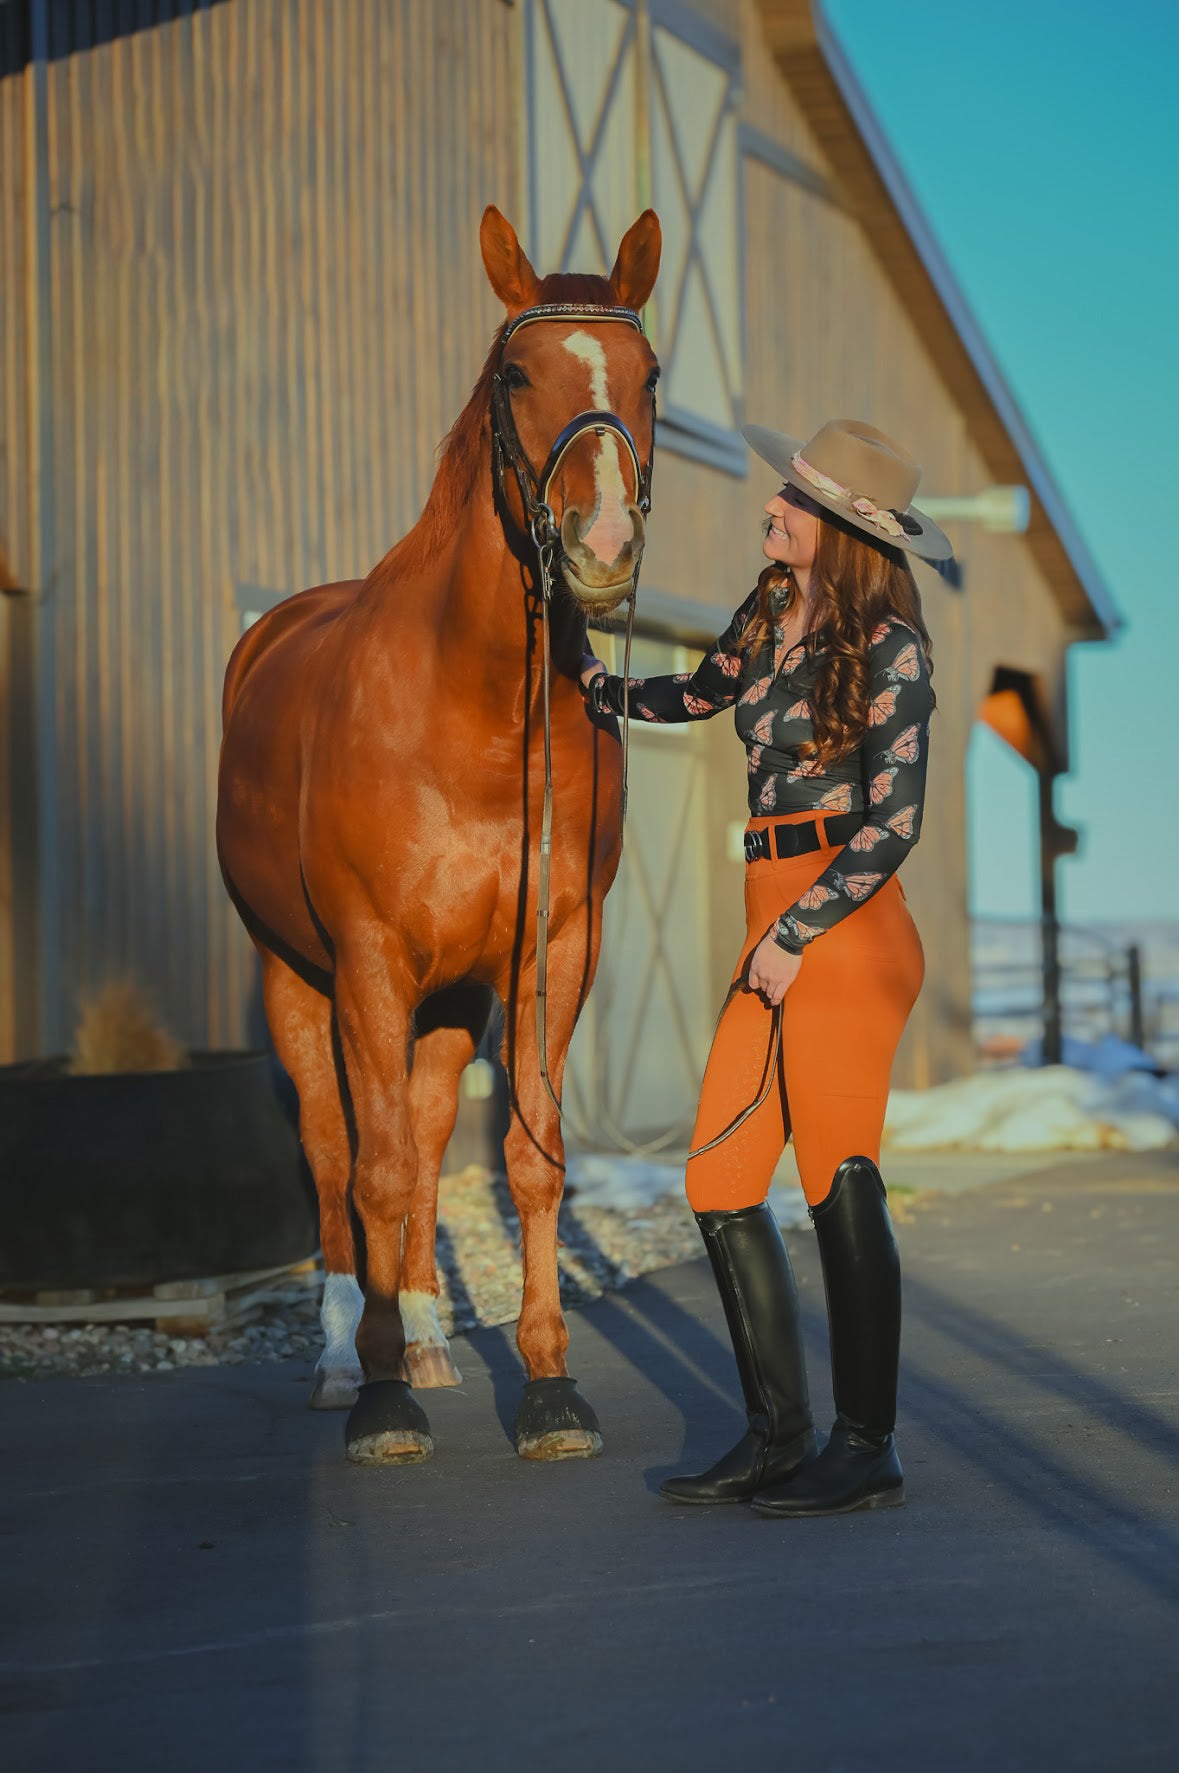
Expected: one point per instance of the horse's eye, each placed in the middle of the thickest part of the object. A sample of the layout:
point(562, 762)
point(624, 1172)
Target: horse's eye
point(652, 381)
point(515, 377)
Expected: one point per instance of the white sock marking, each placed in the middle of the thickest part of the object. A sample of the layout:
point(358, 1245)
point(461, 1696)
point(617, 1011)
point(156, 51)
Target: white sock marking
point(419, 1319)
point(339, 1317)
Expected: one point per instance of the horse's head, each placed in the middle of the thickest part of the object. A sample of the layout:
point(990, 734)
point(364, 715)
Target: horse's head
point(561, 368)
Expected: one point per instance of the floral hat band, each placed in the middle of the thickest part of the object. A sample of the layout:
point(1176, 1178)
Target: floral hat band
point(887, 521)
point(861, 476)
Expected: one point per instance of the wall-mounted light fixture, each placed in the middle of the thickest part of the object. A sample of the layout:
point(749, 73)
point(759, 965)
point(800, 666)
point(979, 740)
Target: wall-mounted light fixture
point(1004, 509)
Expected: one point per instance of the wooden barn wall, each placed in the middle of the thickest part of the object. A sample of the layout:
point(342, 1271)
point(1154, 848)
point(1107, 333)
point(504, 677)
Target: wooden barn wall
point(826, 337)
point(15, 540)
point(266, 307)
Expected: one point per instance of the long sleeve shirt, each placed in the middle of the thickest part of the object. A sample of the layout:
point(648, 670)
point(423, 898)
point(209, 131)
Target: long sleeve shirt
point(884, 778)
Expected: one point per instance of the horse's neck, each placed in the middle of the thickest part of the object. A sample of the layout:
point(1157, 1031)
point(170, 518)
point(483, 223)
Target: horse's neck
point(490, 629)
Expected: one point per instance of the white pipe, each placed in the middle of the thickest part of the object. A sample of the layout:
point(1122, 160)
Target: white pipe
point(1004, 509)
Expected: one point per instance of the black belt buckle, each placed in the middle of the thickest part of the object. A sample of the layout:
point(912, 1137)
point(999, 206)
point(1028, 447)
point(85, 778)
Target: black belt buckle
point(757, 846)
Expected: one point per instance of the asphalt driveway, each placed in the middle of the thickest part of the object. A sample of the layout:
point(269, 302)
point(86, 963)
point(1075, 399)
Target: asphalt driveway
point(194, 1577)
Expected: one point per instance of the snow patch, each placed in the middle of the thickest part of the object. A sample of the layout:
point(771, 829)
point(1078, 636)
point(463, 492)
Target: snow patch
point(1052, 1108)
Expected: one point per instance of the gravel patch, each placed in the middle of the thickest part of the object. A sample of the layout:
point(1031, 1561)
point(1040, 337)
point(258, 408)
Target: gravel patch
point(478, 1268)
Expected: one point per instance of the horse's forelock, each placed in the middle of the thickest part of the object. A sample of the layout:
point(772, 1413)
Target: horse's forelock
point(576, 286)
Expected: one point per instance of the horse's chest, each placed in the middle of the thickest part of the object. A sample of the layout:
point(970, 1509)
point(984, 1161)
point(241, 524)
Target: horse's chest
point(490, 874)
point(456, 862)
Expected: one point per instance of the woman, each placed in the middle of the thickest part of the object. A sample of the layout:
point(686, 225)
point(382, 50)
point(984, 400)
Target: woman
point(827, 663)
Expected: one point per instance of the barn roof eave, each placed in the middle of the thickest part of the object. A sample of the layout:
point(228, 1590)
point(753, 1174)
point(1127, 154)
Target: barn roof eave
point(877, 194)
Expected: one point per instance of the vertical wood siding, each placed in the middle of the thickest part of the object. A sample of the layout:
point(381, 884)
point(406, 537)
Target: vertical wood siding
point(15, 545)
point(267, 306)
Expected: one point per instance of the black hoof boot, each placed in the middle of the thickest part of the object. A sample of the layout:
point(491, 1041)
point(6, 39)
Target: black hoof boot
point(387, 1426)
point(859, 1467)
point(554, 1421)
point(757, 1288)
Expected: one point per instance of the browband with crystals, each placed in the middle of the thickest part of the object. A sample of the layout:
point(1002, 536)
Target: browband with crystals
point(570, 311)
point(863, 507)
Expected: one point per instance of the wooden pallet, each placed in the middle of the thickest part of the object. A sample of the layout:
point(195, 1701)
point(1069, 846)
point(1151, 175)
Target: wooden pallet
point(188, 1308)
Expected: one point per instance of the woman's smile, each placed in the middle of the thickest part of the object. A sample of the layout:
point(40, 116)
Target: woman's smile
point(790, 532)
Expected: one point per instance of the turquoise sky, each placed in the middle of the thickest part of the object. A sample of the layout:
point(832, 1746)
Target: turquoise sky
point(1040, 138)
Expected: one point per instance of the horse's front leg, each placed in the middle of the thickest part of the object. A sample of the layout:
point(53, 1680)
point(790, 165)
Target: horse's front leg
point(554, 1421)
point(449, 1028)
point(374, 997)
point(300, 1021)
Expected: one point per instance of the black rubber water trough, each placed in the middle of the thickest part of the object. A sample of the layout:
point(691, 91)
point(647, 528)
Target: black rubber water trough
point(136, 1178)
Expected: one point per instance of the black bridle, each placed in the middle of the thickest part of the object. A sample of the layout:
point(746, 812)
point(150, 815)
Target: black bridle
point(508, 452)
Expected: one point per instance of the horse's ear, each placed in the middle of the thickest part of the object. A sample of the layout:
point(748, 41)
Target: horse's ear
point(637, 264)
point(508, 271)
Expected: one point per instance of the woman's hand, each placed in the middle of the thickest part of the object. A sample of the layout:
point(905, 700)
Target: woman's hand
point(591, 667)
point(772, 971)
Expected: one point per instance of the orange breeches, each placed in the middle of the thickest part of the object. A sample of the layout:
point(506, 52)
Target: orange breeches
point(842, 1020)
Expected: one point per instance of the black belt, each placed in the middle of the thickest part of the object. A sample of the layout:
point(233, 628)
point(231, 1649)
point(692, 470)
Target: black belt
point(799, 840)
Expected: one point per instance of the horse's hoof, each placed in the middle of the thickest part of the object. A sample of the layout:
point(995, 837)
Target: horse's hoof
point(387, 1426)
point(573, 1443)
point(428, 1366)
point(554, 1421)
point(391, 1447)
point(336, 1388)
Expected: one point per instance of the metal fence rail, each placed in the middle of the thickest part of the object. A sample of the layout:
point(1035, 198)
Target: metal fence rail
point(1108, 986)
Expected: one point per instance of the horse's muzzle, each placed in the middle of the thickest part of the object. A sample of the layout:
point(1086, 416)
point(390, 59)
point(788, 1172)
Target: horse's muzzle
point(600, 586)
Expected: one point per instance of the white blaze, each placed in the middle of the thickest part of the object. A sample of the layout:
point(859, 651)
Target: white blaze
point(592, 352)
point(610, 527)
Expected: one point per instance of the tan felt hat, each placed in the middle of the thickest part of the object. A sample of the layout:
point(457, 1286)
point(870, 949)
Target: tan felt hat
point(859, 474)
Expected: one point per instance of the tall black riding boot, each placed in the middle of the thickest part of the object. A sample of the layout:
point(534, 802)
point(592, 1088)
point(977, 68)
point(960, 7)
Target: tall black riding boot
point(858, 1468)
point(760, 1297)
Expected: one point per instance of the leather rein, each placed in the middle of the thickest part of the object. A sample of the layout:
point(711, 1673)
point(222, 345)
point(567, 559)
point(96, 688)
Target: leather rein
point(508, 452)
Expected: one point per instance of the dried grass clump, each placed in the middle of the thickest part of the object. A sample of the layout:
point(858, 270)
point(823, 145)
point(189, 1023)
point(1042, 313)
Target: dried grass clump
point(121, 1030)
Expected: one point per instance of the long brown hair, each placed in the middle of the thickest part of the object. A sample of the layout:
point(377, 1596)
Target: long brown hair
point(857, 584)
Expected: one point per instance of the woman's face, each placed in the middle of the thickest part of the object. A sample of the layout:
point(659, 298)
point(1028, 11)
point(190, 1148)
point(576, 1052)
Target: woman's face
point(793, 529)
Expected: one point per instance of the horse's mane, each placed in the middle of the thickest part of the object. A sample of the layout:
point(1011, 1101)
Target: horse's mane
point(467, 444)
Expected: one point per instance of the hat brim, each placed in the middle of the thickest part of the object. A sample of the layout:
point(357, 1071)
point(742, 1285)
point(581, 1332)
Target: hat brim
point(928, 542)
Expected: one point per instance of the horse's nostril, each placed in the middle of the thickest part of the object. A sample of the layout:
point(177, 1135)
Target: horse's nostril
point(604, 547)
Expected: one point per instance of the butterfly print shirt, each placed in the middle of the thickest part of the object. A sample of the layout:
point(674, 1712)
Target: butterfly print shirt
point(884, 779)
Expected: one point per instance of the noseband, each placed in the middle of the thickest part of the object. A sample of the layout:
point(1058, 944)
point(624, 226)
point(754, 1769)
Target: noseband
point(508, 452)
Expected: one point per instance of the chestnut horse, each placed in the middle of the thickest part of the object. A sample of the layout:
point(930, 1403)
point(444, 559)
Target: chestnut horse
point(380, 800)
